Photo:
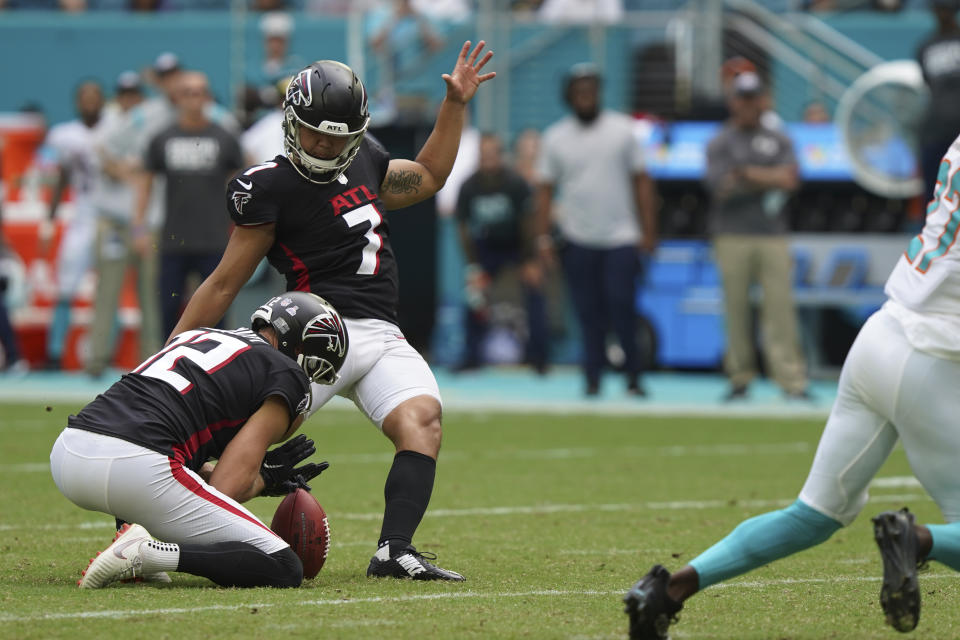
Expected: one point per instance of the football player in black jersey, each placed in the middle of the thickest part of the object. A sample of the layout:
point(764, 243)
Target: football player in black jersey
point(317, 214)
point(141, 450)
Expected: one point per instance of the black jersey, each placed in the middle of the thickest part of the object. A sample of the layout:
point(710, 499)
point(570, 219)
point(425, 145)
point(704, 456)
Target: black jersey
point(190, 399)
point(331, 239)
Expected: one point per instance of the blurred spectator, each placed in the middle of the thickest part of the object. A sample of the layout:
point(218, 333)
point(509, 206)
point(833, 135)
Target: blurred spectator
point(12, 361)
point(468, 157)
point(337, 7)
point(605, 210)
point(197, 157)
point(268, 5)
point(73, 6)
point(151, 116)
point(278, 62)
point(401, 37)
point(606, 11)
point(939, 58)
point(820, 5)
point(456, 11)
point(751, 170)
point(526, 148)
point(815, 112)
point(74, 144)
point(264, 139)
point(494, 221)
point(113, 198)
point(145, 6)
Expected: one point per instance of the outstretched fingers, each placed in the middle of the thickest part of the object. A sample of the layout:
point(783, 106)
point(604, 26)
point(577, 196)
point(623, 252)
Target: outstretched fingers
point(473, 56)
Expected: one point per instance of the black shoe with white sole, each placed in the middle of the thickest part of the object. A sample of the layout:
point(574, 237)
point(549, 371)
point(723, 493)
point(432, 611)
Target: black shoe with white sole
point(900, 594)
point(408, 563)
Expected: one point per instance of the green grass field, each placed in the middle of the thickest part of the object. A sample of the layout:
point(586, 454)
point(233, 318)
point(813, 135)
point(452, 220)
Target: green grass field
point(551, 518)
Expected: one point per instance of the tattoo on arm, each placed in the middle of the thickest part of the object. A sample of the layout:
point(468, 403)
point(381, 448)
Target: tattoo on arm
point(400, 181)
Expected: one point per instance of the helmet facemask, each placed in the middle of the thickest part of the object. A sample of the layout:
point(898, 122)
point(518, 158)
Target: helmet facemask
point(319, 370)
point(320, 170)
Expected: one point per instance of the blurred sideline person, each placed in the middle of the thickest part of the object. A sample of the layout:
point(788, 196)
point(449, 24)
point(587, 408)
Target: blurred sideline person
point(113, 198)
point(898, 383)
point(140, 451)
point(263, 141)
point(940, 62)
point(13, 362)
point(494, 224)
point(150, 117)
point(751, 170)
point(197, 157)
point(594, 184)
point(74, 145)
point(317, 214)
point(278, 63)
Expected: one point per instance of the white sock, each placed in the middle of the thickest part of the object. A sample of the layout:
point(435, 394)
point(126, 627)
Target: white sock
point(159, 556)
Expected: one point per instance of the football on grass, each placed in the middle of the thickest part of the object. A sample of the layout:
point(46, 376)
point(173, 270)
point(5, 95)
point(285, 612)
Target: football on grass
point(302, 523)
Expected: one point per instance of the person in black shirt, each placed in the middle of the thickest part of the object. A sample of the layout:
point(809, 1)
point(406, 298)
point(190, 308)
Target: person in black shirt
point(142, 450)
point(939, 58)
point(493, 215)
point(197, 157)
point(317, 214)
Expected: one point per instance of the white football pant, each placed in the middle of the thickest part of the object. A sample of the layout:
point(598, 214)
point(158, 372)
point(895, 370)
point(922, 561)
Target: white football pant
point(888, 390)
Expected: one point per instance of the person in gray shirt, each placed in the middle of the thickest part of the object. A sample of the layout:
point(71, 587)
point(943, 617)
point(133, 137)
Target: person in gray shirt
point(593, 184)
point(751, 171)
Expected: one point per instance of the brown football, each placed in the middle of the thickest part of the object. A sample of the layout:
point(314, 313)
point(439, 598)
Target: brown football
point(302, 523)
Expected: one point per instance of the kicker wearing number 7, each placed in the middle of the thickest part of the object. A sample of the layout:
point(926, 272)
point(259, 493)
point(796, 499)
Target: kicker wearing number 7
point(317, 213)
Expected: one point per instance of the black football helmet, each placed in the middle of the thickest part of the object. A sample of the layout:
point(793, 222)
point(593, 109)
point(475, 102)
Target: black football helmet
point(328, 97)
point(309, 330)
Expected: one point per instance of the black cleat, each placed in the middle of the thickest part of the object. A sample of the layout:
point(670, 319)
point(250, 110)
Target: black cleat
point(408, 563)
point(650, 608)
point(899, 595)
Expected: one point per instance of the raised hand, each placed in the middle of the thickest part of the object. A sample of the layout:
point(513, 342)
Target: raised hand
point(463, 81)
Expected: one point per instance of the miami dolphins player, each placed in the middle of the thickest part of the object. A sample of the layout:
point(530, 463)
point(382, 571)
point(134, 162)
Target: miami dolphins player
point(899, 382)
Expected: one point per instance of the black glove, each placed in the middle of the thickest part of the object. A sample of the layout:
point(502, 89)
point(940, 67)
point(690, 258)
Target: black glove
point(279, 471)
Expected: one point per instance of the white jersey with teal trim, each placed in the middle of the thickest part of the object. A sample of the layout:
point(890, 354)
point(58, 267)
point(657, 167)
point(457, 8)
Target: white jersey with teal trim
point(74, 145)
point(924, 287)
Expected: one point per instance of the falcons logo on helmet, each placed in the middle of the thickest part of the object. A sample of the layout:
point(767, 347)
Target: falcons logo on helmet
point(299, 91)
point(239, 199)
point(329, 326)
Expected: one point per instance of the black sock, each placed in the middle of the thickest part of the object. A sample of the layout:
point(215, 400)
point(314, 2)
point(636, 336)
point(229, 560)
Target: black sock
point(240, 564)
point(407, 494)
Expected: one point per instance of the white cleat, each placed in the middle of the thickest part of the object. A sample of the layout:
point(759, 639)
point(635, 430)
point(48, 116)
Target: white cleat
point(120, 561)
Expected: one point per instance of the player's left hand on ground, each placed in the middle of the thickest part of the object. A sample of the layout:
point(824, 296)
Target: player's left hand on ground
point(463, 81)
point(280, 465)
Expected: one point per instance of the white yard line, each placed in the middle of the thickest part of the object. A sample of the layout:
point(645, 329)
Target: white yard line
point(454, 595)
point(562, 453)
point(531, 510)
point(123, 613)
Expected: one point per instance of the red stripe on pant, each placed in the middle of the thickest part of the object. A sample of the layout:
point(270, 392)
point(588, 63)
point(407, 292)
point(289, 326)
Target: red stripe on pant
point(191, 484)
